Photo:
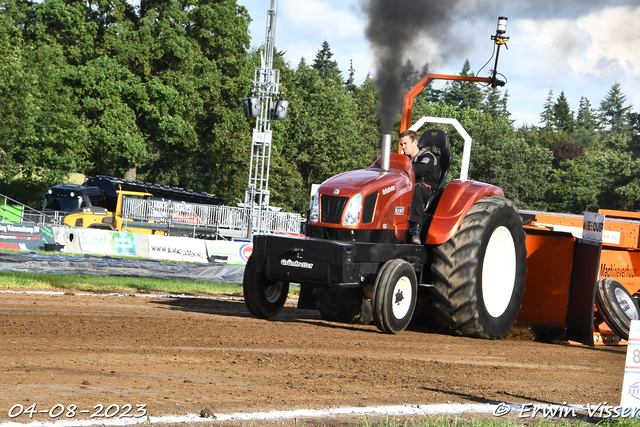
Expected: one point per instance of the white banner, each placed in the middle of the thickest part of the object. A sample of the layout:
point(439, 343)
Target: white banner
point(237, 253)
point(177, 248)
point(107, 242)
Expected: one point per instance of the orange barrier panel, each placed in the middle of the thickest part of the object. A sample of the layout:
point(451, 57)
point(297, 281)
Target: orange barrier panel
point(546, 292)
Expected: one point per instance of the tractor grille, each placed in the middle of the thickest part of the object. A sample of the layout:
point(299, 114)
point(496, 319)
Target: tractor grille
point(331, 208)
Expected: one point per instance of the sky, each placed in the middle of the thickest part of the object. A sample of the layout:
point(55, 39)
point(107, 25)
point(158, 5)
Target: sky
point(579, 47)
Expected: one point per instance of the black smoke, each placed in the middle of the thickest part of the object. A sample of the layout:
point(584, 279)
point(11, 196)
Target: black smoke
point(393, 28)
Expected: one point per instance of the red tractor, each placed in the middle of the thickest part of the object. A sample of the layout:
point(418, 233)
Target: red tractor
point(355, 265)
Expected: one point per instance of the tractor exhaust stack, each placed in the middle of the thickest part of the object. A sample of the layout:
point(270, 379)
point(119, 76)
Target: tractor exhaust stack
point(385, 157)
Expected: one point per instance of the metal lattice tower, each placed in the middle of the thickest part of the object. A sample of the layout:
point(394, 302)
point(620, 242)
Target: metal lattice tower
point(266, 85)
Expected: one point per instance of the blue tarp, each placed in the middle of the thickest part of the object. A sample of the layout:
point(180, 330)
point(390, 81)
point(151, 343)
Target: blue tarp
point(30, 262)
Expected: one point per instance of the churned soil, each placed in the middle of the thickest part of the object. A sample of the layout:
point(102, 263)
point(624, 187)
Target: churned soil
point(205, 355)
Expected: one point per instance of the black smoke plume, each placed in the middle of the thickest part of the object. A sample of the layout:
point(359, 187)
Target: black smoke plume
point(393, 27)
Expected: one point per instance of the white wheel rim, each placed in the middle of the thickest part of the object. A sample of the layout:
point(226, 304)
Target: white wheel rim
point(272, 293)
point(499, 271)
point(625, 303)
point(401, 298)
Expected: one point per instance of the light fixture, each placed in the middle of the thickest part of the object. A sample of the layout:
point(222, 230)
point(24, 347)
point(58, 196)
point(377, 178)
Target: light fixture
point(279, 111)
point(251, 106)
point(502, 25)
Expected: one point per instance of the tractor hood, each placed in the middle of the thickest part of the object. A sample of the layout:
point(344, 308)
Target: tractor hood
point(371, 198)
point(370, 179)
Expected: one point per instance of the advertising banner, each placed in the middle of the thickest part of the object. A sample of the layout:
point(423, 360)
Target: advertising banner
point(21, 237)
point(10, 214)
point(237, 253)
point(107, 242)
point(177, 249)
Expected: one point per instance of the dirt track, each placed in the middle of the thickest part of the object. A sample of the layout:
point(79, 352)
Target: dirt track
point(181, 356)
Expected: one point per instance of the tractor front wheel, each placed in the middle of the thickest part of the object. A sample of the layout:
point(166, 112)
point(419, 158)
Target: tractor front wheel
point(478, 275)
point(264, 298)
point(394, 296)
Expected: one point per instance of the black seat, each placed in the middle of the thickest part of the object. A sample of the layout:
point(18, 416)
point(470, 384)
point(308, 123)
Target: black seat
point(436, 141)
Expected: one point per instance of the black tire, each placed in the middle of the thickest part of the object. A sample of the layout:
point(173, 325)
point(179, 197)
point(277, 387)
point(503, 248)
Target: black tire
point(345, 305)
point(264, 298)
point(394, 297)
point(306, 300)
point(478, 275)
point(617, 307)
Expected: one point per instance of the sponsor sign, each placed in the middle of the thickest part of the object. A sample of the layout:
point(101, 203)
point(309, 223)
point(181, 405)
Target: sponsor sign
point(10, 213)
point(107, 242)
point(22, 237)
point(177, 248)
point(592, 226)
point(608, 236)
point(631, 383)
point(237, 253)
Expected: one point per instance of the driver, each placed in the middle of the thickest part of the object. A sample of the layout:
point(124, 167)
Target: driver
point(427, 172)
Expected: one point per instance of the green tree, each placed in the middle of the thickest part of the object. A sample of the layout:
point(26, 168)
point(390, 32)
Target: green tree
point(494, 105)
point(562, 114)
point(612, 111)
point(462, 94)
point(498, 154)
point(408, 76)
point(326, 66)
point(547, 115)
point(41, 137)
point(349, 84)
point(586, 125)
point(366, 100)
point(571, 188)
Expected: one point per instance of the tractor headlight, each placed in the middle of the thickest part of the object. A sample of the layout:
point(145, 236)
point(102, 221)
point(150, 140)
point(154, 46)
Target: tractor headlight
point(352, 213)
point(315, 210)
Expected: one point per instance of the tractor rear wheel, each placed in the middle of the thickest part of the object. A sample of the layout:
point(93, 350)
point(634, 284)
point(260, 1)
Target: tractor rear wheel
point(478, 275)
point(395, 295)
point(264, 298)
point(345, 305)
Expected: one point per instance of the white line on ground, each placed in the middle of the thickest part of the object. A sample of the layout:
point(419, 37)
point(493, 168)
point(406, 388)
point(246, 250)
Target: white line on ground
point(395, 410)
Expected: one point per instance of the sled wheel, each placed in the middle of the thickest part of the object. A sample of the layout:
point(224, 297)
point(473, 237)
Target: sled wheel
point(264, 298)
point(617, 306)
point(345, 305)
point(394, 297)
point(479, 273)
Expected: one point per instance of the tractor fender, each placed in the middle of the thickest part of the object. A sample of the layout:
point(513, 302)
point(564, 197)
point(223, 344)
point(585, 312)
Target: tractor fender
point(455, 202)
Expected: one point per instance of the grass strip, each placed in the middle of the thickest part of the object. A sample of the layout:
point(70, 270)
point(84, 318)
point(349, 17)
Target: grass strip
point(85, 282)
point(115, 283)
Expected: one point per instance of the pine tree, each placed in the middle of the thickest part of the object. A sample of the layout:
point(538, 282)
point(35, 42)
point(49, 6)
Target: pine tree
point(547, 115)
point(613, 113)
point(323, 62)
point(302, 64)
point(349, 85)
point(586, 119)
point(562, 114)
point(463, 94)
point(409, 76)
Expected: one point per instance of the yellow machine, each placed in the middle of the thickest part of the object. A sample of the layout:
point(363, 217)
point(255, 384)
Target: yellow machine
point(102, 219)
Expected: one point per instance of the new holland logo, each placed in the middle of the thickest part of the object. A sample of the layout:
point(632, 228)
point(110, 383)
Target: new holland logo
point(388, 190)
point(296, 263)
